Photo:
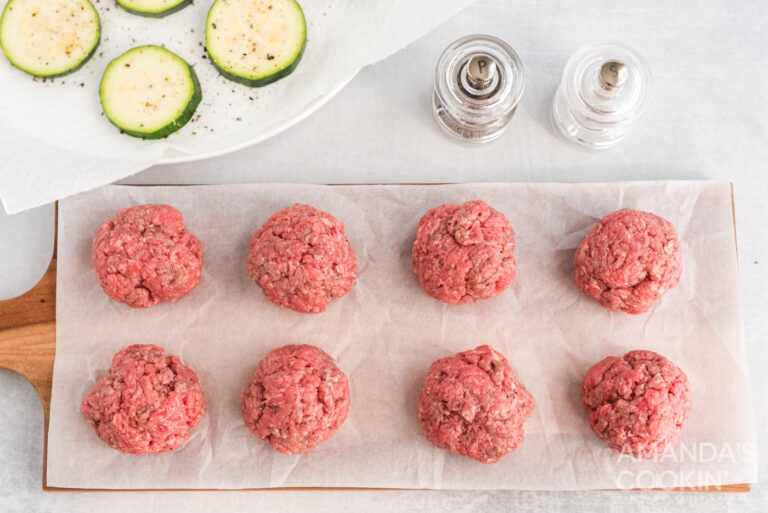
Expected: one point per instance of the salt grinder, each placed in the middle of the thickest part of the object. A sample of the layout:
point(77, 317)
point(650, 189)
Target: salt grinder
point(478, 83)
point(605, 88)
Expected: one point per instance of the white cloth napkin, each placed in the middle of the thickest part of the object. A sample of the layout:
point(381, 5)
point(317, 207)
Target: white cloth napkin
point(55, 141)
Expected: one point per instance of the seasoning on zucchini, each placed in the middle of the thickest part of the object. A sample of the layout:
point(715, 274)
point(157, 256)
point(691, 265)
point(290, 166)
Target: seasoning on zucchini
point(49, 38)
point(255, 42)
point(149, 92)
point(153, 8)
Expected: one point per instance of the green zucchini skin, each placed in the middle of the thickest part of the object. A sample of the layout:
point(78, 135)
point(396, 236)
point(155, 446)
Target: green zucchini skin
point(260, 82)
point(253, 78)
point(9, 48)
point(158, 13)
point(175, 123)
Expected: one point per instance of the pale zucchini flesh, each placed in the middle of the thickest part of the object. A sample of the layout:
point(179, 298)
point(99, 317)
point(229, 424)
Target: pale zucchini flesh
point(255, 42)
point(149, 92)
point(153, 8)
point(49, 38)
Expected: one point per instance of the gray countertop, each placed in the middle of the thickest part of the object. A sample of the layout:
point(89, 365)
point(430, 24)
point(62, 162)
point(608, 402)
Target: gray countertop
point(708, 120)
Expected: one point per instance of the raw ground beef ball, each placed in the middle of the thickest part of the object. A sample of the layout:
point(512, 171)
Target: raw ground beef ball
point(637, 403)
point(628, 260)
point(145, 255)
point(147, 403)
point(296, 400)
point(463, 253)
point(301, 259)
point(473, 404)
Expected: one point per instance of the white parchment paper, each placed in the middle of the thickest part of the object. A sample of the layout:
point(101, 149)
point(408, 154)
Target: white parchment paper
point(386, 332)
point(55, 141)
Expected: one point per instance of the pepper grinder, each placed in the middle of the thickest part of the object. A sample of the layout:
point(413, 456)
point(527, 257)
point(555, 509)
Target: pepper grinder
point(605, 88)
point(479, 81)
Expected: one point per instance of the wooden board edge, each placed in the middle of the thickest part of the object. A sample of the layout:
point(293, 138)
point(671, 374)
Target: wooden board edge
point(726, 488)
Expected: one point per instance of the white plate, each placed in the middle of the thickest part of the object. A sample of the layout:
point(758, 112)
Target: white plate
point(231, 116)
point(171, 156)
point(56, 142)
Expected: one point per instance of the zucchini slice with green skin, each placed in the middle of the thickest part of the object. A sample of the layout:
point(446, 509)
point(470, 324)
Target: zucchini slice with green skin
point(49, 38)
point(153, 8)
point(255, 42)
point(149, 92)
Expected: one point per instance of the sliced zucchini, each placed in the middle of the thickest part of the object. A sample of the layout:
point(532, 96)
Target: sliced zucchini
point(49, 38)
point(255, 42)
point(149, 92)
point(153, 8)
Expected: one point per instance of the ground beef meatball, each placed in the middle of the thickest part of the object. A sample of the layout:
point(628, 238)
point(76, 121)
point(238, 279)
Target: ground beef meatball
point(637, 403)
point(301, 259)
point(463, 253)
point(473, 404)
point(145, 255)
point(147, 403)
point(628, 260)
point(296, 400)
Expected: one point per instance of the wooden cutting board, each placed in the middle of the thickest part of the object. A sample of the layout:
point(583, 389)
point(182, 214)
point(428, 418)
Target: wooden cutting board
point(28, 346)
point(28, 339)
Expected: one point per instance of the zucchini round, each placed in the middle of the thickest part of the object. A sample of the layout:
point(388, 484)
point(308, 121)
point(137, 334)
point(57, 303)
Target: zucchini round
point(49, 38)
point(149, 92)
point(153, 8)
point(255, 42)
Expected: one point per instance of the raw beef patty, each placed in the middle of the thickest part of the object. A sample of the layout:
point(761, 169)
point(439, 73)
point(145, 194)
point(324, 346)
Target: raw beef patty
point(301, 259)
point(463, 253)
point(628, 260)
point(474, 405)
point(147, 403)
point(145, 255)
point(297, 398)
point(637, 403)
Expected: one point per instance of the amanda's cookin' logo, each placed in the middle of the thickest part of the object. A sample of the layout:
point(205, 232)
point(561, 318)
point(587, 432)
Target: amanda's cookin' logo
point(712, 461)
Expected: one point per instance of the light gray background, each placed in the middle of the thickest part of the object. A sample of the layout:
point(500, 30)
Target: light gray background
point(707, 120)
